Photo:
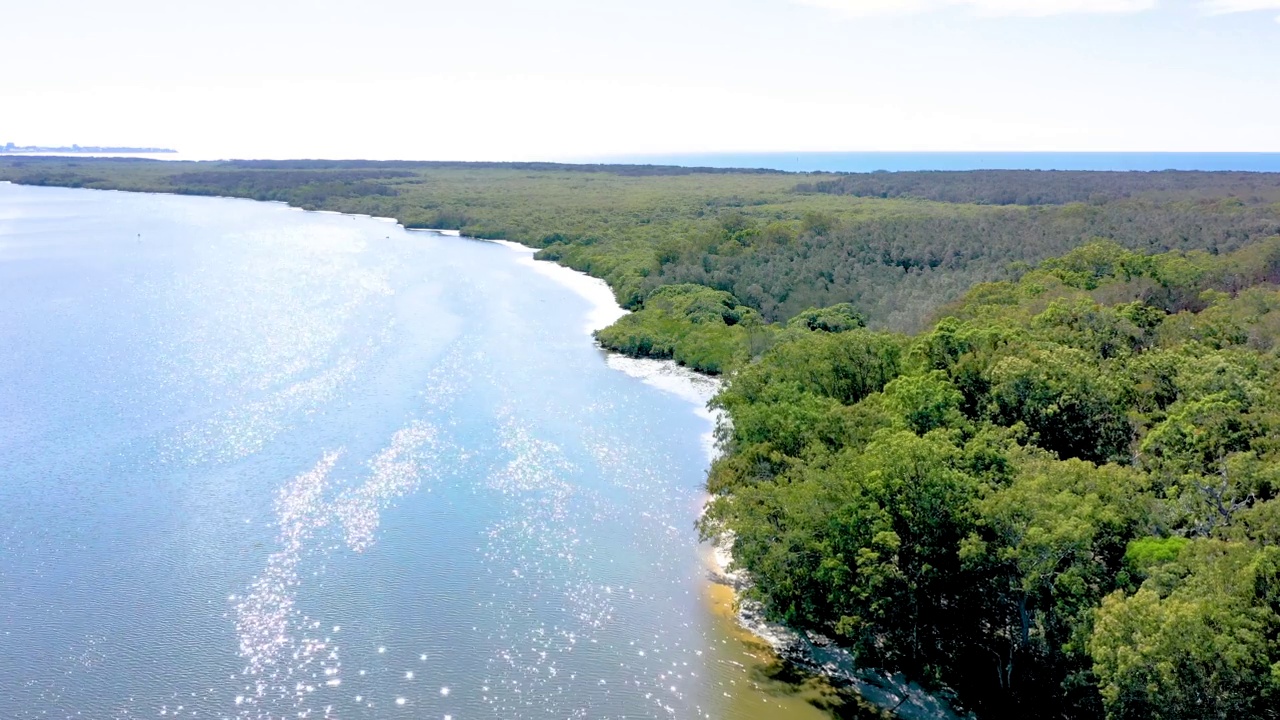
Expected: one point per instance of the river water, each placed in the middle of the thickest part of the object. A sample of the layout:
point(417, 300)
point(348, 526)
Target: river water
point(262, 463)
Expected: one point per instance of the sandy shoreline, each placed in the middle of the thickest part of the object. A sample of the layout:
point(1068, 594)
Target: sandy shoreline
point(693, 387)
point(811, 652)
point(666, 375)
point(697, 389)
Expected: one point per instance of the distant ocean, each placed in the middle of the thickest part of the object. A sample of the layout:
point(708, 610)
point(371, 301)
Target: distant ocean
point(900, 161)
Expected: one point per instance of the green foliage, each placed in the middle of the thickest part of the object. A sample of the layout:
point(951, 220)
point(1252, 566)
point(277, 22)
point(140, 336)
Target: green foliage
point(1081, 190)
point(1089, 264)
point(1197, 435)
point(1061, 501)
point(1146, 553)
point(926, 402)
point(1048, 545)
point(1062, 402)
point(870, 542)
point(703, 328)
point(837, 318)
point(845, 366)
point(1198, 640)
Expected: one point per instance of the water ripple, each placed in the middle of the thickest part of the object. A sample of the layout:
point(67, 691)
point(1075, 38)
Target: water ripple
point(266, 617)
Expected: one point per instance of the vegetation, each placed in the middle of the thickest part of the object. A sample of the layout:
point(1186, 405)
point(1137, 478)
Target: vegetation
point(1038, 187)
point(1059, 501)
point(1057, 498)
point(697, 326)
point(895, 246)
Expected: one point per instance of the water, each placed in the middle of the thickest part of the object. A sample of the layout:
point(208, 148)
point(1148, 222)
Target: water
point(903, 161)
point(261, 463)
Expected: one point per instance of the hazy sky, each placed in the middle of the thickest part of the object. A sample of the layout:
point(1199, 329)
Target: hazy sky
point(564, 79)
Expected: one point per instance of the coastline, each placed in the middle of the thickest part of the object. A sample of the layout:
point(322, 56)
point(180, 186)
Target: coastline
point(833, 670)
point(666, 375)
point(832, 678)
point(774, 647)
point(874, 693)
point(812, 655)
point(604, 308)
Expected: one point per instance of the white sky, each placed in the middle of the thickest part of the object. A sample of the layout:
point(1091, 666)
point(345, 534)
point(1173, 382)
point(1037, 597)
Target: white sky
point(566, 79)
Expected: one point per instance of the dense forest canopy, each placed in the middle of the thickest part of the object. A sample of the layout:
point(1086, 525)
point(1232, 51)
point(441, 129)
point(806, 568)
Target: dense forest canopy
point(1059, 501)
point(1059, 497)
point(1052, 187)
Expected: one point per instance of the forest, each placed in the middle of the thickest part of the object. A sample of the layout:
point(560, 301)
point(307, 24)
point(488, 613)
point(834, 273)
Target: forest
point(1039, 187)
point(1013, 434)
point(1060, 500)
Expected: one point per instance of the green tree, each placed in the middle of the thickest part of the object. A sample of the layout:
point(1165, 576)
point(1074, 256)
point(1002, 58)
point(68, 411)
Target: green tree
point(1066, 405)
point(1050, 544)
point(1197, 641)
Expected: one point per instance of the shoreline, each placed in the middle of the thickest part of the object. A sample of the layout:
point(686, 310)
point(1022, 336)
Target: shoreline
point(809, 653)
point(771, 643)
point(834, 668)
point(666, 375)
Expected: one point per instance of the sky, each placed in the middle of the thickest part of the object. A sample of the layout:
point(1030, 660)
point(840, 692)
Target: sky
point(581, 79)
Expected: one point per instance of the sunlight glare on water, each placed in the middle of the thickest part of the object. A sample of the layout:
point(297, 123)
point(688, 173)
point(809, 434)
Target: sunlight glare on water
point(261, 463)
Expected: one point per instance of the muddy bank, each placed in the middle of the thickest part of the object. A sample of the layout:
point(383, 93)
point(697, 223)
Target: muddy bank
point(809, 659)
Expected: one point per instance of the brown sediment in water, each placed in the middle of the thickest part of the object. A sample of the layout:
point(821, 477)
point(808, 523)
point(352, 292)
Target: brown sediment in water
point(760, 685)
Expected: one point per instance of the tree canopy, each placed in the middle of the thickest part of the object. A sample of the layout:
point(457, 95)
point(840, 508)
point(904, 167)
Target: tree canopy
point(1059, 501)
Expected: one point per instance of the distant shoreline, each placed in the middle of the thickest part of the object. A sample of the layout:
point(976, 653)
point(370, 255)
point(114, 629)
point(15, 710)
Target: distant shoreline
point(958, 161)
point(760, 162)
point(79, 150)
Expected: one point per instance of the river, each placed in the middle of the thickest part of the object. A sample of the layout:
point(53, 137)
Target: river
point(263, 463)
